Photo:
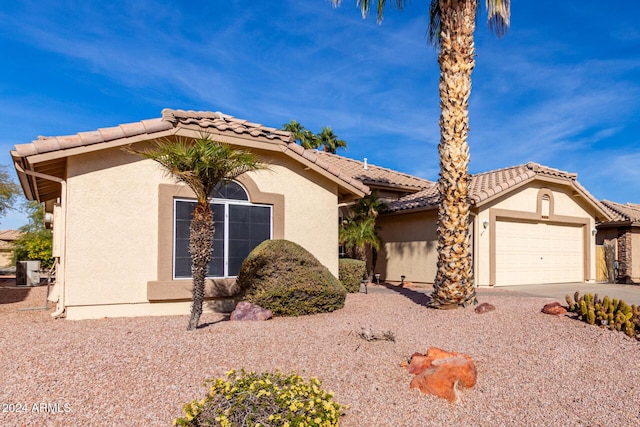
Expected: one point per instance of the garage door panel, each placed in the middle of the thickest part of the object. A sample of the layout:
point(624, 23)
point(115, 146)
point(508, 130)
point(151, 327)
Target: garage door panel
point(532, 253)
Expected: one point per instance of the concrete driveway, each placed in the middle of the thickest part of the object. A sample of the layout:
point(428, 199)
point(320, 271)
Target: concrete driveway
point(629, 293)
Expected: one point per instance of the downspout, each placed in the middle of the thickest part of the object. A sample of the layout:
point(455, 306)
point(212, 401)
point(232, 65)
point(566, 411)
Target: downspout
point(60, 272)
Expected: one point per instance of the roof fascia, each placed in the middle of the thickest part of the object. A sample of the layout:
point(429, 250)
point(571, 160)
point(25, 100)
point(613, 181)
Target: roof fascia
point(20, 164)
point(399, 187)
point(410, 210)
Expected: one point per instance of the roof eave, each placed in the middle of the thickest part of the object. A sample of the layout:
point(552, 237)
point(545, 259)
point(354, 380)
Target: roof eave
point(20, 164)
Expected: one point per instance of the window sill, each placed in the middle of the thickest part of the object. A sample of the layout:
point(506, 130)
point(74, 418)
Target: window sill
point(177, 290)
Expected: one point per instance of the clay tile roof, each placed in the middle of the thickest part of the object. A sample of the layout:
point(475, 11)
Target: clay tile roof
point(175, 119)
point(628, 212)
point(486, 185)
point(223, 122)
point(7, 238)
point(9, 235)
point(424, 198)
point(82, 139)
point(373, 175)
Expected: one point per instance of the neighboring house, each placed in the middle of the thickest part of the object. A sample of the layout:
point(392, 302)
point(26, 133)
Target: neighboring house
point(7, 237)
point(531, 224)
point(624, 231)
point(121, 224)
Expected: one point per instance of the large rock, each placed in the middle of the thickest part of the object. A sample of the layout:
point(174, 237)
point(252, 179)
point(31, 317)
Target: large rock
point(554, 308)
point(441, 373)
point(247, 311)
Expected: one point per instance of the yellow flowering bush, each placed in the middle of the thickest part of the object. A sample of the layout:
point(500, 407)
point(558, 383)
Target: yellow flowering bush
point(265, 400)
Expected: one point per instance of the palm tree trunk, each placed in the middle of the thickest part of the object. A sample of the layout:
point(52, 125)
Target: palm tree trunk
point(453, 284)
point(200, 245)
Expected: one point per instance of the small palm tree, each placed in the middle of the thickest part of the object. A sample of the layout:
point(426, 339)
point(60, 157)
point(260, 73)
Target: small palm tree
point(451, 28)
point(201, 164)
point(303, 136)
point(329, 140)
point(359, 232)
point(359, 236)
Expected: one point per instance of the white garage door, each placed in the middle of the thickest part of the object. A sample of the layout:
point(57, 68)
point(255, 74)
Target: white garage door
point(529, 253)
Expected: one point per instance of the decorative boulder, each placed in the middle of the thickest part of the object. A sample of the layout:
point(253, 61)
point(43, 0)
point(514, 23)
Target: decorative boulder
point(247, 311)
point(484, 307)
point(554, 308)
point(441, 373)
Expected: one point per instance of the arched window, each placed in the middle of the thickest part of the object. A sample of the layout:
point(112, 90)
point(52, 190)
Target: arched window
point(239, 225)
point(231, 191)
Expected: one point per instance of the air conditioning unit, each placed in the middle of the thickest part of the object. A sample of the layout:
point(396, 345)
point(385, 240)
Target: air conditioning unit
point(28, 273)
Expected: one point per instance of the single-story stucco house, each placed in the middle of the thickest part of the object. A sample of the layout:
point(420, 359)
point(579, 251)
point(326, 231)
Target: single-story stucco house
point(7, 237)
point(531, 224)
point(623, 230)
point(121, 224)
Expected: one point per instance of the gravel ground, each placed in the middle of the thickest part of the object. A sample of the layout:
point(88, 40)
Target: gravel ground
point(533, 369)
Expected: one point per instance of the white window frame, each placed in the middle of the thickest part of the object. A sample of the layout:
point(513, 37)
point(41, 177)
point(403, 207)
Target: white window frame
point(226, 203)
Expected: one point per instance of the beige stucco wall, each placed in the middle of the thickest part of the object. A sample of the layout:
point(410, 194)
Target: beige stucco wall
point(111, 242)
point(525, 201)
point(311, 207)
point(111, 221)
point(5, 257)
point(409, 247)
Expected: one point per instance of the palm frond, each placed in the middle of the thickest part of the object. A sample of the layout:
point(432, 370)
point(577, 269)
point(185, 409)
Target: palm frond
point(499, 16)
point(200, 163)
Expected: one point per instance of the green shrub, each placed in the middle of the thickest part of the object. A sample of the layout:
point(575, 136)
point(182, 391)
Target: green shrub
point(288, 280)
point(268, 399)
point(351, 272)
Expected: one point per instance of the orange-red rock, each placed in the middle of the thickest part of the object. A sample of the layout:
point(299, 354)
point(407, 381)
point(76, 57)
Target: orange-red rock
point(441, 373)
point(554, 308)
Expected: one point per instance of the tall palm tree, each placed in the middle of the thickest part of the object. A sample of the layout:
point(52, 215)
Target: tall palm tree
point(451, 28)
point(303, 136)
point(201, 164)
point(329, 140)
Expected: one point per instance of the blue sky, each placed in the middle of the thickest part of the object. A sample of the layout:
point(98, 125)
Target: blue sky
point(562, 88)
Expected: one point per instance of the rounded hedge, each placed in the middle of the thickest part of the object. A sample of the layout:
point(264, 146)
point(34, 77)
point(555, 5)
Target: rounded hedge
point(287, 279)
point(351, 273)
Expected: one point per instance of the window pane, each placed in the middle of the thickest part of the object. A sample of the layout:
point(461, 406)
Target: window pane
point(183, 267)
point(182, 258)
point(232, 190)
point(247, 229)
point(216, 265)
point(182, 228)
point(184, 210)
point(261, 215)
